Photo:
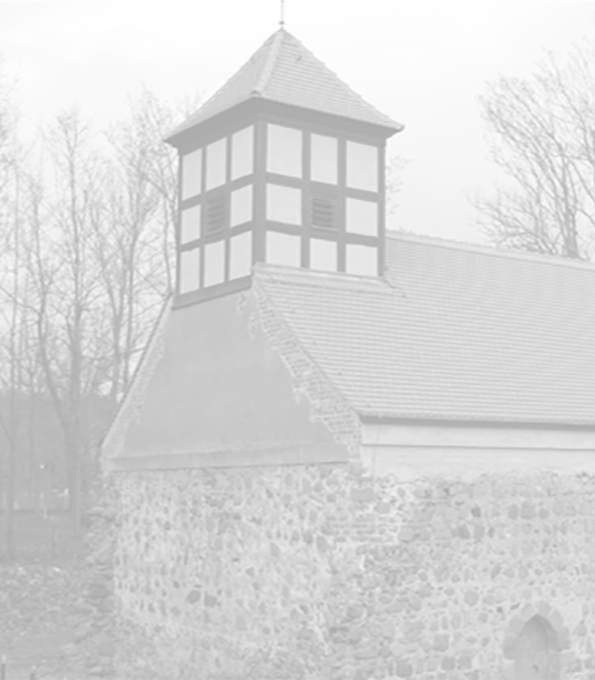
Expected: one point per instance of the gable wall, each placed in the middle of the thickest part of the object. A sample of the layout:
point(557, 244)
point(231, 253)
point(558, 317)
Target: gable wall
point(219, 389)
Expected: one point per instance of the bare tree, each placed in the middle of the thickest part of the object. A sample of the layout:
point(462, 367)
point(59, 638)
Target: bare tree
point(394, 181)
point(68, 303)
point(135, 234)
point(13, 326)
point(12, 321)
point(542, 132)
point(87, 237)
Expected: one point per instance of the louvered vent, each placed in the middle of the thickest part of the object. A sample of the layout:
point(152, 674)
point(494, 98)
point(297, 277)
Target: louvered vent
point(324, 211)
point(215, 214)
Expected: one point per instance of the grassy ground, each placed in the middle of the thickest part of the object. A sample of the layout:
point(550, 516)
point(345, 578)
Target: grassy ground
point(42, 610)
point(40, 613)
point(39, 537)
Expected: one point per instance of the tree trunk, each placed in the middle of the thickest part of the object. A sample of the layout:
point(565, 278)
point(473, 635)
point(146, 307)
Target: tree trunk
point(74, 484)
point(9, 536)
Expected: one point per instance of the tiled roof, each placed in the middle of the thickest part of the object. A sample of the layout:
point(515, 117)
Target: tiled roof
point(283, 70)
point(454, 333)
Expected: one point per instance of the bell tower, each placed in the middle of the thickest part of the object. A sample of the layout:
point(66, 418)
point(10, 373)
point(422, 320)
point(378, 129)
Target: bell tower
point(285, 165)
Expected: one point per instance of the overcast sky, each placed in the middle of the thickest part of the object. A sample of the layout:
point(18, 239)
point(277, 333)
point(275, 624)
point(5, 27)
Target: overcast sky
point(422, 63)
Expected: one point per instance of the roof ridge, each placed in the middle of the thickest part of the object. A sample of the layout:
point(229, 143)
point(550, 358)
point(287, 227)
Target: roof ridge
point(453, 244)
point(267, 72)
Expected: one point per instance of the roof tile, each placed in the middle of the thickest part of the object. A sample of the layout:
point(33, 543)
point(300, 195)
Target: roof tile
point(451, 333)
point(283, 70)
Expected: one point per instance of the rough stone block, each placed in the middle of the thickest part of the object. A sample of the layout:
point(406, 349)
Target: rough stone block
point(193, 597)
point(471, 597)
point(355, 634)
point(527, 510)
point(478, 532)
point(463, 532)
point(388, 629)
point(464, 662)
point(440, 643)
point(368, 652)
point(448, 663)
point(404, 669)
point(355, 611)
point(322, 544)
point(407, 534)
point(365, 495)
point(432, 663)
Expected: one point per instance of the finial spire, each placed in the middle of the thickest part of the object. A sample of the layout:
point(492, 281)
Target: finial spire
point(282, 19)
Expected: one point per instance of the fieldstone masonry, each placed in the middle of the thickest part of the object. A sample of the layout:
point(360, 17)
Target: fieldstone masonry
point(323, 572)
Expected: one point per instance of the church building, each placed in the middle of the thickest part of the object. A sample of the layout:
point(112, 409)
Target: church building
point(349, 453)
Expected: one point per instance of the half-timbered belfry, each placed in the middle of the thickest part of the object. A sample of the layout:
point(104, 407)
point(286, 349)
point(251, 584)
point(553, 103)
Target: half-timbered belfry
point(349, 453)
point(284, 165)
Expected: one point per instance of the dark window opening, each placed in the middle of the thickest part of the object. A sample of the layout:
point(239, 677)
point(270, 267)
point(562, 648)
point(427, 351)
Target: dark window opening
point(215, 214)
point(324, 211)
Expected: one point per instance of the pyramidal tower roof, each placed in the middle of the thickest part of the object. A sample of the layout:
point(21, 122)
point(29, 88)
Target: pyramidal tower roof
point(283, 70)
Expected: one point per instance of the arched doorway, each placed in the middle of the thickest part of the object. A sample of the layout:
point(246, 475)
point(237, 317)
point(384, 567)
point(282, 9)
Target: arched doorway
point(535, 651)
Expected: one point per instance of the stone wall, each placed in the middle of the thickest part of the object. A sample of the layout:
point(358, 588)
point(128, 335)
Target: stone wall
point(322, 572)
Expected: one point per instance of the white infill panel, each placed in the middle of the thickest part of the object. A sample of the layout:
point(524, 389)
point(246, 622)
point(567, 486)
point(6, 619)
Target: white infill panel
point(242, 153)
point(216, 164)
point(361, 260)
point(324, 159)
point(190, 226)
point(241, 205)
point(362, 166)
point(323, 255)
point(191, 174)
point(362, 217)
point(214, 263)
point(189, 270)
point(284, 150)
point(283, 249)
point(240, 258)
point(284, 204)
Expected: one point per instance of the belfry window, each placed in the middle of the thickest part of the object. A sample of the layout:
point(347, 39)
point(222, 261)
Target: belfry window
point(215, 216)
point(324, 210)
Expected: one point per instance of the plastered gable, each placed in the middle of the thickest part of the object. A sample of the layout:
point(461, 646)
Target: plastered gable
point(222, 386)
